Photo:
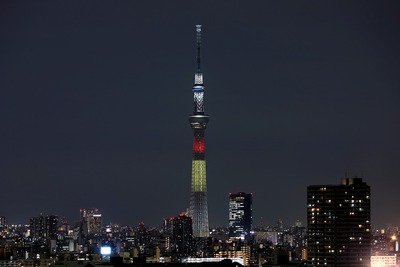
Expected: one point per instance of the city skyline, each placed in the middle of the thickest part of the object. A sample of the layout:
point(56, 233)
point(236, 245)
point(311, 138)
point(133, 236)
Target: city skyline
point(95, 98)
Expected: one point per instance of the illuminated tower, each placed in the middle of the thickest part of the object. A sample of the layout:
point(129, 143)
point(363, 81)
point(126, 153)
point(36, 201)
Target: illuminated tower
point(198, 121)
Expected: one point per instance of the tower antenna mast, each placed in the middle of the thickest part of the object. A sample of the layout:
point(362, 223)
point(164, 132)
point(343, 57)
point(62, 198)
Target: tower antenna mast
point(198, 58)
point(198, 79)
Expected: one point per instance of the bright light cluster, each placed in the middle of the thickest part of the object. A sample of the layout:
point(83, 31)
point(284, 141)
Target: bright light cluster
point(383, 261)
point(199, 176)
point(198, 100)
point(105, 250)
point(199, 145)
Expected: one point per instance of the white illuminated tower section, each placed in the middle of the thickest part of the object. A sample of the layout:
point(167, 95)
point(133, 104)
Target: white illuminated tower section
point(198, 121)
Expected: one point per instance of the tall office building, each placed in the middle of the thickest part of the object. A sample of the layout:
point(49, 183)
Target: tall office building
point(43, 227)
point(181, 232)
point(240, 215)
point(37, 226)
point(3, 222)
point(198, 121)
point(91, 221)
point(339, 227)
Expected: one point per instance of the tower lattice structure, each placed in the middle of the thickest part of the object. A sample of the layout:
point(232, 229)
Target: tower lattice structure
point(198, 121)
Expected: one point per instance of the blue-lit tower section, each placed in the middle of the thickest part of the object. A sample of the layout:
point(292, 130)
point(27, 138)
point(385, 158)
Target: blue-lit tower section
point(198, 121)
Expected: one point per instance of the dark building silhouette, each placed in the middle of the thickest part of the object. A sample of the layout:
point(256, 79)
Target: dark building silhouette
point(37, 227)
point(43, 227)
point(338, 218)
point(240, 215)
point(51, 227)
point(3, 222)
point(182, 234)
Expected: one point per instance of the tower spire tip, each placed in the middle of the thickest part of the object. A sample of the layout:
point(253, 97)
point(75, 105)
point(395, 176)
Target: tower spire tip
point(199, 75)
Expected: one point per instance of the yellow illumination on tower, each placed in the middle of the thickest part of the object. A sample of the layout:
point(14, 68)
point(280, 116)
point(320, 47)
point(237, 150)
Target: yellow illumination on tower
point(199, 176)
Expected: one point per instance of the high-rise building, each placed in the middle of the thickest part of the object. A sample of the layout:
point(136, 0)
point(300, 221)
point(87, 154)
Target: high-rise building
point(43, 227)
point(338, 220)
point(3, 222)
point(91, 219)
point(37, 228)
point(240, 215)
point(167, 233)
point(198, 121)
point(51, 226)
point(182, 233)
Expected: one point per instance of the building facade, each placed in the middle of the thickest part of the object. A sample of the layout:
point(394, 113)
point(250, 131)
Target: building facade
point(198, 209)
point(43, 228)
point(91, 221)
point(182, 233)
point(339, 227)
point(240, 215)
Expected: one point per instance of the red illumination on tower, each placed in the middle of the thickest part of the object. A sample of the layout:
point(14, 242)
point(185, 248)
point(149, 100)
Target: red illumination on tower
point(199, 145)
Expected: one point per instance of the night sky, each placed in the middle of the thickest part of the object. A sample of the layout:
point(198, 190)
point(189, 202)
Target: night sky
point(95, 98)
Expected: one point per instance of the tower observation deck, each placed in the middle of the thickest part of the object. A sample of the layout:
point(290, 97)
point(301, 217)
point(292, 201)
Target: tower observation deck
point(198, 121)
